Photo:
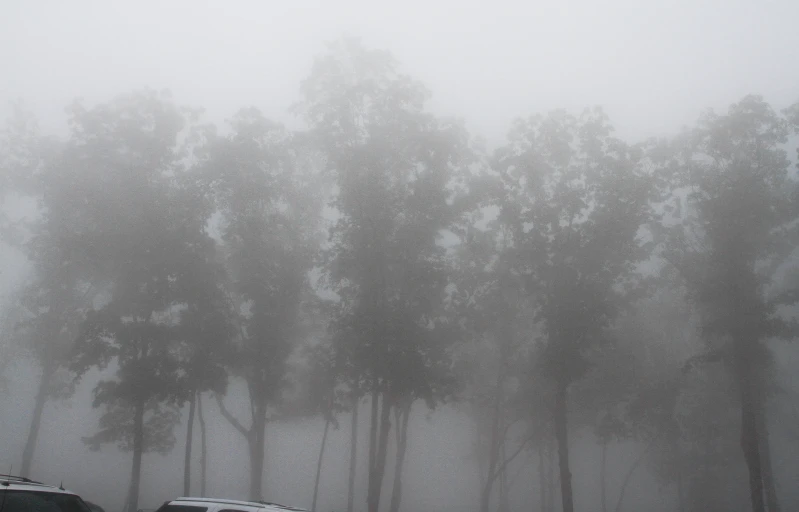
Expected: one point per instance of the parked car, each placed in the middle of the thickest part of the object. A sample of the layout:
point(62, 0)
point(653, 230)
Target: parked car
point(19, 494)
point(94, 506)
point(187, 504)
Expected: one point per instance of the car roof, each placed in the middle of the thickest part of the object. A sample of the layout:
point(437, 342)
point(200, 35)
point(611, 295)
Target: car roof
point(18, 483)
point(221, 501)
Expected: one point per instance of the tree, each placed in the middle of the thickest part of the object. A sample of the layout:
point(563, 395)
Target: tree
point(632, 392)
point(54, 305)
point(206, 328)
point(574, 198)
point(270, 212)
point(139, 234)
point(497, 338)
point(392, 164)
point(325, 396)
point(205, 331)
point(736, 230)
point(51, 305)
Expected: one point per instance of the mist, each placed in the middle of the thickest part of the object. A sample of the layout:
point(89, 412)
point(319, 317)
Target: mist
point(527, 257)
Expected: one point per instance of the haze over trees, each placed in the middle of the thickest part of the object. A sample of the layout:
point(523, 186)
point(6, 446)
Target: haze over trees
point(378, 265)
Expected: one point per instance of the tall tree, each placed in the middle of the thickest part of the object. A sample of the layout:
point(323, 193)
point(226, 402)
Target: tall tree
point(325, 395)
point(392, 163)
point(205, 332)
point(51, 305)
point(55, 304)
point(735, 233)
point(270, 212)
point(492, 311)
point(574, 198)
point(141, 236)
point(206, 327)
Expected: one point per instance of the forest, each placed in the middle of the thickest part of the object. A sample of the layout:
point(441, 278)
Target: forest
point(380, 263)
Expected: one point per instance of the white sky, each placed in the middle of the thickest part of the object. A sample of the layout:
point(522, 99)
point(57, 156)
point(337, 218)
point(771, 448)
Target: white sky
point(653, 65)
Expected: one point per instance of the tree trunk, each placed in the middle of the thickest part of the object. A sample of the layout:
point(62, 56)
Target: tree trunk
point(353, 455)
point(504, 502)
point(402, 416)
point(603, 468)
point(189, 439)
point(203, 447)
point(378, 471)
point(373, 425)
point(749, 437)
point(319, 464)
point(551, 475)
point(36, 421)
point(255, 436)
point(256, 446)
point(628, 477)
point(485, 496)
point(138, 450)
point(769, 484)
point(542, 478)
point(562, 436)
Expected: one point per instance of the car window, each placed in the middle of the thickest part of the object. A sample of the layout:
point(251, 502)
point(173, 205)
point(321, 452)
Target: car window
point(28, 501)
point(181, 508)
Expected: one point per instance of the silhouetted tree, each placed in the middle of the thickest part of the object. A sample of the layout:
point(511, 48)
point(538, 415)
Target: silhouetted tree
point(736, 230)
point(493, 314)
point(52, 304)
point(270, 208)
point(392, 163)
point(138, 229)
point(574, 198)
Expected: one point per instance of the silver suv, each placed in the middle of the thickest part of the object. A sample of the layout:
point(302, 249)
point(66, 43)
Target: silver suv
point(222, 505)
point(18, 494)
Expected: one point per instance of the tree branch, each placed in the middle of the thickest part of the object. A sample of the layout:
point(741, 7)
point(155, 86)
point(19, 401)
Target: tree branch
point(629, 475)
point(228, 416)
point(507, 461)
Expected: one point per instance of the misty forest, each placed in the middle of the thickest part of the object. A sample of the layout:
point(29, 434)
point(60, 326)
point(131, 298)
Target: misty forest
point(376, 311)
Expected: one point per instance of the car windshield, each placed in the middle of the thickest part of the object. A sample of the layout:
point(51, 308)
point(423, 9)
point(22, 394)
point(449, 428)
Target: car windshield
point(30, 501)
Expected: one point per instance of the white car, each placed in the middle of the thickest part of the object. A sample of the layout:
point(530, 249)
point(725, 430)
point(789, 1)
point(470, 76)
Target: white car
point(18, 494)
point(222, 505)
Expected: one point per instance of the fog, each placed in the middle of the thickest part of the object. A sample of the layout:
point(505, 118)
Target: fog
point(547, 251)
point(653, 65)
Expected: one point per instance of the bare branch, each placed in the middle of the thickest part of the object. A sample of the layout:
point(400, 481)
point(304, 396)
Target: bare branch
point(629, 475)
point(228, 416)
point(507, 461)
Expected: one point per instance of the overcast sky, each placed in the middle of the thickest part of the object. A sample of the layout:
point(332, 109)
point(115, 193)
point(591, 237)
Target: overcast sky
point(652, 65)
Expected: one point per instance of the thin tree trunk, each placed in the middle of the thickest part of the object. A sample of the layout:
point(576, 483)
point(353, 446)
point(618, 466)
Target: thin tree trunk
point(504, 503)
point(551, 475)
point(485, 496)
point(203, 447)
point(562, 436)
point(138, 450)
point(376, 475)
point(255, 436)
point(749, 437)
point(353, 455)
point(628, 477)
point(402, 417)
point(189, 439)
point(373, 425)
point(765, 455)
point(36, 421)
point(319, 464)
point(603, 468)
point(542, 479)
